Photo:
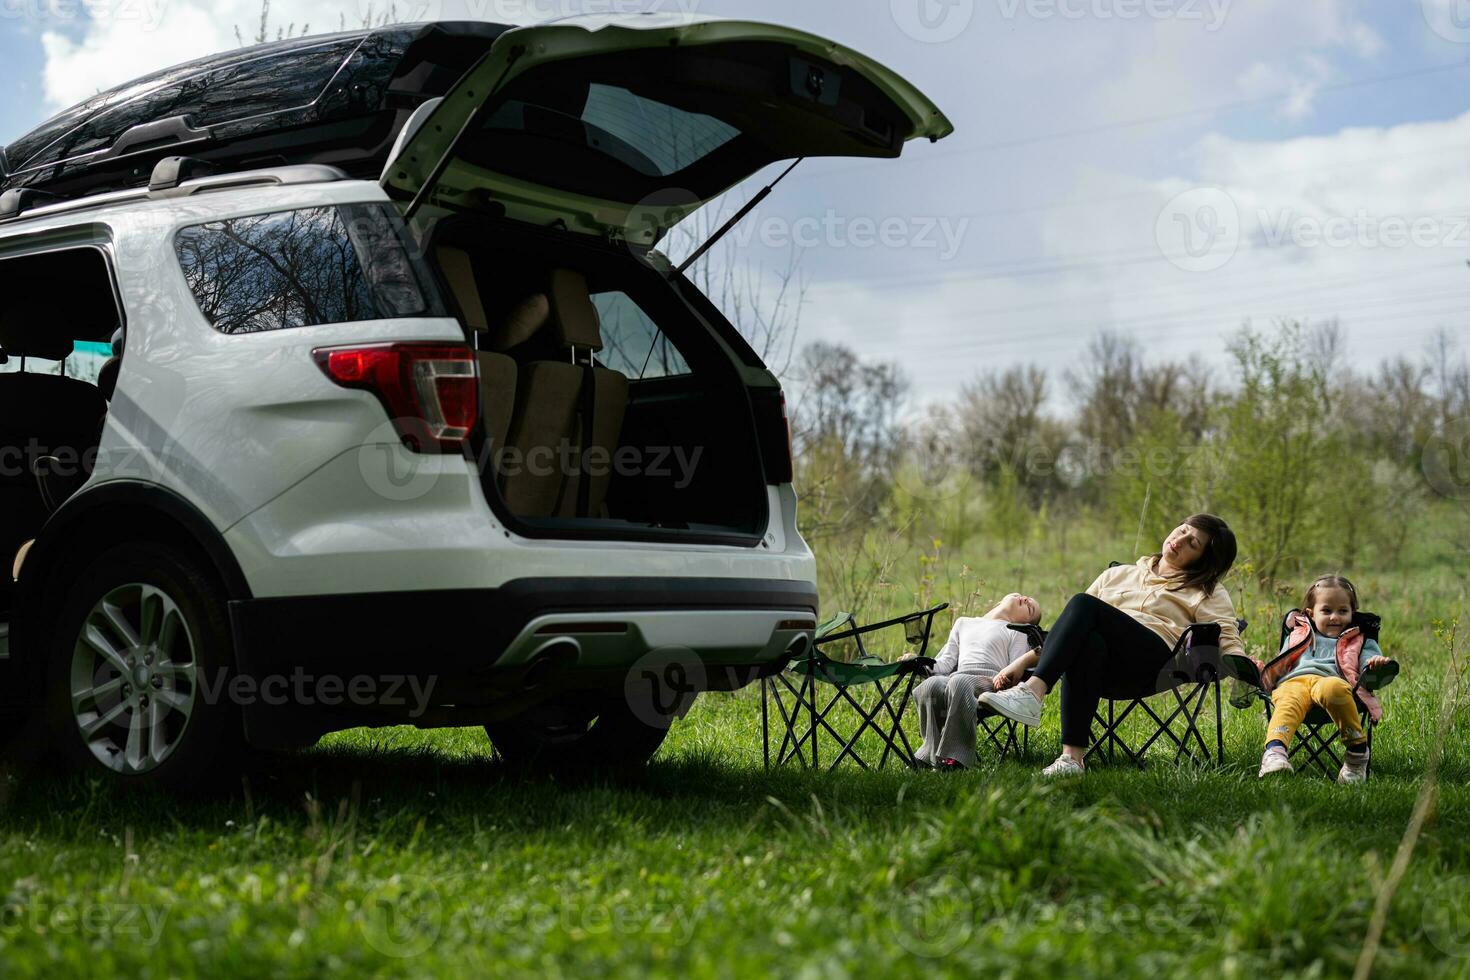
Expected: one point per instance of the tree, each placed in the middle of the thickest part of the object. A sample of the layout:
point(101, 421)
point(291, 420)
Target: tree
point(1004, 432)
point(846, 434)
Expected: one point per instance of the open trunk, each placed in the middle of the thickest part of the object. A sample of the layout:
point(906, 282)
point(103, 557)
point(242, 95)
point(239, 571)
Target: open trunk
point(672, 450)
point(614, 402)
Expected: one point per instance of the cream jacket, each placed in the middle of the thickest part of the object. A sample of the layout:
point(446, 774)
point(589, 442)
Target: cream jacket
point(1146, 596)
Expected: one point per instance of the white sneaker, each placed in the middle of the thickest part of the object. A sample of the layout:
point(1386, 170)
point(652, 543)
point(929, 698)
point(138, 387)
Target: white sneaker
point(1274, 760)
point(1064, 766)
point(1016, 703)
point(1354, 767)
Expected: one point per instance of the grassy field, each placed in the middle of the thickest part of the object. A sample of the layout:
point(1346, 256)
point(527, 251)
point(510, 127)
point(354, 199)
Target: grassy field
point(401, 852)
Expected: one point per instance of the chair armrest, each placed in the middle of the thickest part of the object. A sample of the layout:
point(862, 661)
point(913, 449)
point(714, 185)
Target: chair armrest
point(1031, 631)
point(859, 630)
point(1379, 677)
point(1243, 668)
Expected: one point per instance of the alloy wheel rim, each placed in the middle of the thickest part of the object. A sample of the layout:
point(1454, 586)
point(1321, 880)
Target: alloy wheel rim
point(134, 678)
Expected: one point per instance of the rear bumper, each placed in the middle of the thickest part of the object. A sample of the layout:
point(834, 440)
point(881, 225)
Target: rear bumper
point(313, 664)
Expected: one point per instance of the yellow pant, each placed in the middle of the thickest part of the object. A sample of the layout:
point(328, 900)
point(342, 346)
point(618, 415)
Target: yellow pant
point(1294, 698)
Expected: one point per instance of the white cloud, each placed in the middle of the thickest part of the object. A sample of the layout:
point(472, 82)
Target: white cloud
point(1370, 225)
point(1297, 88)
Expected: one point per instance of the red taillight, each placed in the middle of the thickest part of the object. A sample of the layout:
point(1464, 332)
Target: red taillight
point(430, 391)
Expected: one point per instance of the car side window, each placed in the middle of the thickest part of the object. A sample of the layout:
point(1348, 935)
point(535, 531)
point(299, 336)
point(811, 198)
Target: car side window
point(304, 268)
point(63, 303)
point(632, 343)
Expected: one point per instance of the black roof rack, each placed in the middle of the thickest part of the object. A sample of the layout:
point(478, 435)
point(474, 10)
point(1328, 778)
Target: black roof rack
point(15, 202)
point(170, 172)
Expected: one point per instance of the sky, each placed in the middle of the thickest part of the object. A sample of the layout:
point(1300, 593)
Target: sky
point(1168, 169)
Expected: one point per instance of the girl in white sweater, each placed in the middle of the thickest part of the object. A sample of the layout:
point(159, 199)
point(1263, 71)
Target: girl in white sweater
point(983, 654)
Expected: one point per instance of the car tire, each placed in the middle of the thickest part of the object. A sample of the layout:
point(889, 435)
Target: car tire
point(136, 670)
point(607, 736)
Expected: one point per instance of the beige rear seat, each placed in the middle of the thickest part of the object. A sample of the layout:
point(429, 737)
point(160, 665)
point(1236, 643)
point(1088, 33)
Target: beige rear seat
point(578, 329)
point(497, 370)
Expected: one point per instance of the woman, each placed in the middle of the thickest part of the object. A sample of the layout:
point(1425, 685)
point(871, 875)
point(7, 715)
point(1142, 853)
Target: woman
point(1119, 633)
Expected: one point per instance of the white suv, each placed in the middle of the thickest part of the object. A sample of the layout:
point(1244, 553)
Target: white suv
point(451, 447)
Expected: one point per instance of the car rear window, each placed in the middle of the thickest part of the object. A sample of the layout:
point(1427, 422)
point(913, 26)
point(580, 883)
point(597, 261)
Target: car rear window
point(303, 268)
point(651, 137)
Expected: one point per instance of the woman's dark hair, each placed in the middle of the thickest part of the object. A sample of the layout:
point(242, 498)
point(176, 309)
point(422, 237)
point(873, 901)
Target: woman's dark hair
point(1330, 582)
point(1213, 563)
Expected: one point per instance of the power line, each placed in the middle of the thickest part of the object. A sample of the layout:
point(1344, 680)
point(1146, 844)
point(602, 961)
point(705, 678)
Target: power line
point(1317, 285)
point(1071, 335)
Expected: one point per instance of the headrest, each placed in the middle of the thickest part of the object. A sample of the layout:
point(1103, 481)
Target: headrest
point(521, 323)
point(459, 276)
point(107, 377)
point(28, 331)
point(573, 316)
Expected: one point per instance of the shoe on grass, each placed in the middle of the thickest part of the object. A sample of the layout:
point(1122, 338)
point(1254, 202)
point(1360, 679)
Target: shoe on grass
point(950, 765)
point(1016, 703)
point(1274, 760)
point(1064, 766)
point(1354, 767)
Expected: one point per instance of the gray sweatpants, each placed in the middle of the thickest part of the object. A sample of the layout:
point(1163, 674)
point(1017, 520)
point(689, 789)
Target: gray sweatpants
point(947, 717)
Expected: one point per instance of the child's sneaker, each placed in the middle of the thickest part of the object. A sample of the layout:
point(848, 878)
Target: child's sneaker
point(950, 765)
point(1354, 767)
point(1016, 703)
point(1274, 760)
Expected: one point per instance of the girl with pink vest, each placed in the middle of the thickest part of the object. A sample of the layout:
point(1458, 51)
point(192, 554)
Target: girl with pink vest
point(1319, 665)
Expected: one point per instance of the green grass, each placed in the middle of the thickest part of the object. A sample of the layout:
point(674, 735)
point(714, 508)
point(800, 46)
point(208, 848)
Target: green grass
point(401, 852)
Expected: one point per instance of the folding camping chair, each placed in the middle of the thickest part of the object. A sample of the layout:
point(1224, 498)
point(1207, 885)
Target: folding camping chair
point(1317, 737)
point(1194, 670)
point(793, 692)
point(1005, 736)
point(1191, 677)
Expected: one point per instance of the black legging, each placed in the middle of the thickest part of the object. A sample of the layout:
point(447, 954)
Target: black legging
point(1097, 649)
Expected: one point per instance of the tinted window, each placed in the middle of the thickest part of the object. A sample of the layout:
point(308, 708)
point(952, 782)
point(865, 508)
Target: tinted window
point(84, 362)
point(303, 268)
point(651, 137)
point(632, 343)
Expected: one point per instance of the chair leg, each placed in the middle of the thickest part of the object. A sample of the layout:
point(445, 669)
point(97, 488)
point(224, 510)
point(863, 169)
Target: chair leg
point(1314, 745)
point(846, 746)
point(1368, 769)
point(907, 756)
point(1219, 727)
point(765, 725)
point(1110, 737)
point(790, 742)
point(849, 747)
